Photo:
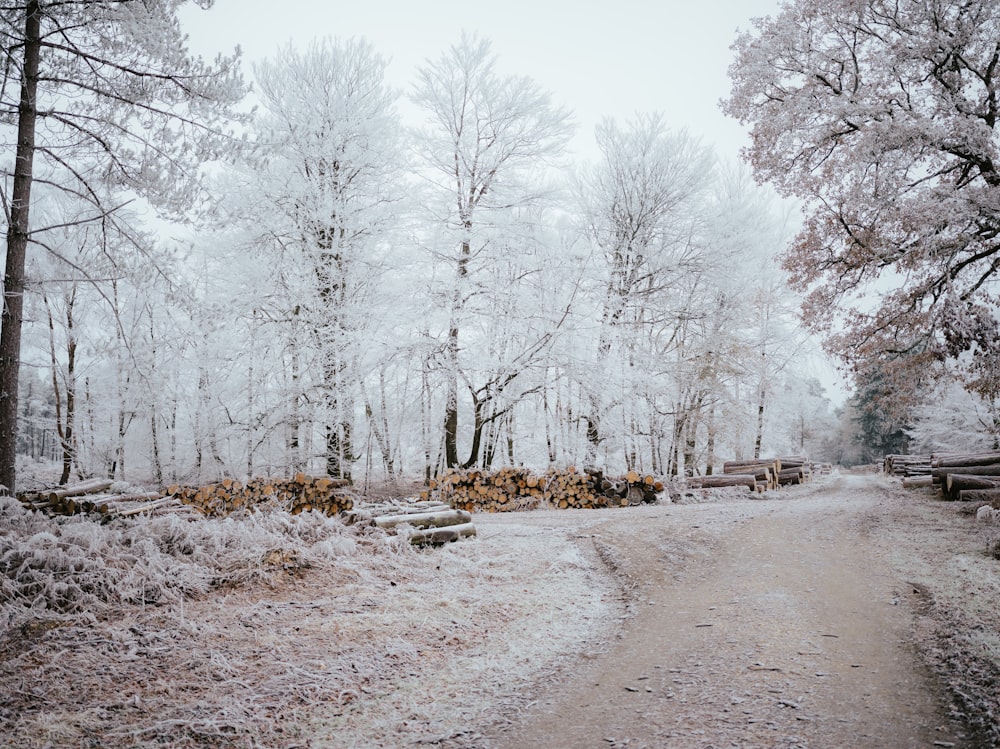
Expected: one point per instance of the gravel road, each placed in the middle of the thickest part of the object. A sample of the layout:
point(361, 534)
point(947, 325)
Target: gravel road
point(775, 623)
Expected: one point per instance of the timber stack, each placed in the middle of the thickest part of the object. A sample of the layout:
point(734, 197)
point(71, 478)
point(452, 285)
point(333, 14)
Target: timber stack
point(907, 466)
point(301, 493)
point(102, 497)
point(956, 475)
point(965, 477)
point(511, 489)
point(760, 475)
point(422, 522)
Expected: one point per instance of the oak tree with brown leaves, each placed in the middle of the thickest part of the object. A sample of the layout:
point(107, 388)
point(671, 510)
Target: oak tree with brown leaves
point(881, 117)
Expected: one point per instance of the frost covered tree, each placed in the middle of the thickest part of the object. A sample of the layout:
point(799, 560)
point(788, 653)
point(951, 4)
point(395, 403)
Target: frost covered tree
point(485, 140)
point(98, 98)
point(641, 207)
point(951, 419)
point(328, 168)
point(882, 118)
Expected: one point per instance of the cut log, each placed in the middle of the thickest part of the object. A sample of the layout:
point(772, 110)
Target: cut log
point(971, 459)
point(438, 519)
point(991, 469)
point(438, 536)
point(91, 486)
point(981, 495)
point(789, 476)
point(958, 482)
point(727, 479)
point(916, 482)
point(734, 466)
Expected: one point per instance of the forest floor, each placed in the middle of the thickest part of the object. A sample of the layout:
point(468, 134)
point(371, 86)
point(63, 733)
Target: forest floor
point(847, 612)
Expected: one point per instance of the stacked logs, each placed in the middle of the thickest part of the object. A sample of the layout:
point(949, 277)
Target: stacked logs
point(758, 475)
point(907, 466)
point(299, 494)
point(967, 477)
point(511, 489)
point(427, 522)
point(96, 496)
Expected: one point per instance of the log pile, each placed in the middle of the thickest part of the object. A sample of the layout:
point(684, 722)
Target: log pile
point(907, 465)
point(98, 496)
point(966, 477)
point(512, 489)
point(426, 522)
point(759, 475)
point(301, 493)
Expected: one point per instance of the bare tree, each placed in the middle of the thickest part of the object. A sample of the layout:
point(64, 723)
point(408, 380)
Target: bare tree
point(486, 139)
point(103, 94)
point(641, 207)
point(330, 164)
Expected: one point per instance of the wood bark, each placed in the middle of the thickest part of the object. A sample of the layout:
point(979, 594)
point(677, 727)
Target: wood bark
point(437, 536)
point(972, 459)
point(91, 486)
point(992, 496)
point(992, 469)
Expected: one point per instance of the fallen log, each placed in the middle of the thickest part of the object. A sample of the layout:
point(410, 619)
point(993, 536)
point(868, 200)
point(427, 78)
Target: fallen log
point(957, 482)
point(981, 495)
point(438, 519)
point(916, 482)
point(727, 479)
point(439, 536)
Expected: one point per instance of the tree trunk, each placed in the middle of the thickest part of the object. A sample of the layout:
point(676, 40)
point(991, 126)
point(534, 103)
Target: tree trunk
point(710, 444)
point(295, 463)
point(759, 438)
point(18, 231)
point(154, 433)
point(64, 418)
point(425, 420)
point(690, 444)
point(451, 402)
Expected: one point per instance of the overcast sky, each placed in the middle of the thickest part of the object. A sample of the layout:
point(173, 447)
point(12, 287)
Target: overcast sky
point(610, 58)
point(600, 59)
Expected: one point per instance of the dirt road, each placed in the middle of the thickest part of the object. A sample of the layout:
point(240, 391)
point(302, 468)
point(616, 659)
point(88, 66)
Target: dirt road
point(759, 624)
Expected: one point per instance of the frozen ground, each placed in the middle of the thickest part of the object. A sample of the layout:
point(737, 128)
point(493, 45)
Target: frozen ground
point(847, 610)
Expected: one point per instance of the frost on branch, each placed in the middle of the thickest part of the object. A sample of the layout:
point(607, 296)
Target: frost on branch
point(882, 118)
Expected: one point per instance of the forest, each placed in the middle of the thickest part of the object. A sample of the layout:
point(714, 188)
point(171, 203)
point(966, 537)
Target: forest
point(216, 272)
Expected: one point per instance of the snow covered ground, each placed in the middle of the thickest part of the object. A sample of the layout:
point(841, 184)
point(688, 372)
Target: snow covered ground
point(299, 631)
point(279, 630)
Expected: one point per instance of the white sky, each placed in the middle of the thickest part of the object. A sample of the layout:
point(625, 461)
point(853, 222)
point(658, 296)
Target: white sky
point(597, 58)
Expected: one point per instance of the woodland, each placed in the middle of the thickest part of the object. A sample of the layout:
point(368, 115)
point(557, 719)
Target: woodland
point(207, 278)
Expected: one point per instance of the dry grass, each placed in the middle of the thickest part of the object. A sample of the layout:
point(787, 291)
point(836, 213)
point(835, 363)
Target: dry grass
point(275, 630)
